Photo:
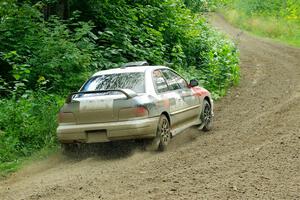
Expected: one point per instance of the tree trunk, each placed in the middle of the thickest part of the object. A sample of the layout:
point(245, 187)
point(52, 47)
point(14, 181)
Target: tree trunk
point(63, 9)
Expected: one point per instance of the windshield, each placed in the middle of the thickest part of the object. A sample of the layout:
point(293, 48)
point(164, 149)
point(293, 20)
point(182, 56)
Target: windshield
point(134, 81)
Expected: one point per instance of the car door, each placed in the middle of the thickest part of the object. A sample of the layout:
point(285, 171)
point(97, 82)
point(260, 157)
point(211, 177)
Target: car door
point(167, 98)
point(187, 105)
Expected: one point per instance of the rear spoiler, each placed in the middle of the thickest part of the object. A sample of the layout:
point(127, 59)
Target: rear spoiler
point(127, 92)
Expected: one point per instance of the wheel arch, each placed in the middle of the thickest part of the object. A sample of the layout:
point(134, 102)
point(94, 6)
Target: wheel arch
point(210, 101)
point(207, 99)
point(167, 115)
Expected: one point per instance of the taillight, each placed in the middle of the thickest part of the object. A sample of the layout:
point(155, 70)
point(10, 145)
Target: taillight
point(134, 112)
point(141, 111)
point(64, 117)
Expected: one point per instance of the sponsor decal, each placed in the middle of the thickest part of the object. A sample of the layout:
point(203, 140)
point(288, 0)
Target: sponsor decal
point(198, 91)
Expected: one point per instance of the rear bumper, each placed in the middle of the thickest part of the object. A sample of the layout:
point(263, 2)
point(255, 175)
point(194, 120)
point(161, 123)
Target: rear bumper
point(105, 132)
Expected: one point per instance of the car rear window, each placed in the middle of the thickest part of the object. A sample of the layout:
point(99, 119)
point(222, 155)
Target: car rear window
point(134, 81)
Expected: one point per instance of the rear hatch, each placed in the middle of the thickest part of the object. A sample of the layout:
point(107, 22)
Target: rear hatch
point(104, 108)
point(100, 99)
point(95, 109)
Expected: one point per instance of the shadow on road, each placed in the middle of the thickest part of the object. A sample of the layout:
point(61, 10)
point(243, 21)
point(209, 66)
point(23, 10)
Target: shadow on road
point(106, 151)
point(125, 148)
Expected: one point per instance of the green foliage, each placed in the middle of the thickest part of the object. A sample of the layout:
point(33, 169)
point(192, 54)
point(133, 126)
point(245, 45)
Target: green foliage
point(202, 5)
point(60, 51)
point(289, 9)
point(275, 19)
point(20, 72)
point(65, 53)
point(27, 125)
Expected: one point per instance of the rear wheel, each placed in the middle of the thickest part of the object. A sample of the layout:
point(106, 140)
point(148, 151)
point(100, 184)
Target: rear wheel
point(206, 116)
point(163, 135)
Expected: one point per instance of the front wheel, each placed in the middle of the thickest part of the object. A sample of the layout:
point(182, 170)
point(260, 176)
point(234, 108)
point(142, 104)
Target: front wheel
point(206, 116)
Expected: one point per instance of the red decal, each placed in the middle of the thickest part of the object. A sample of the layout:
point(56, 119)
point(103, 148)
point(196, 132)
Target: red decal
point(166, 103)
point(198, 91)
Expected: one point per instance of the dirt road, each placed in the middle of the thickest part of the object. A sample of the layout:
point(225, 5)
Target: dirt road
point(253, 151)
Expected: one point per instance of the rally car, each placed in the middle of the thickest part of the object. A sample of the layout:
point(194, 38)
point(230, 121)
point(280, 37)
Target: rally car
point(135, 101)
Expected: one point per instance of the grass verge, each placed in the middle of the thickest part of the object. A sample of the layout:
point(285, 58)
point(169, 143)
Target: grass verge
point(279, 29)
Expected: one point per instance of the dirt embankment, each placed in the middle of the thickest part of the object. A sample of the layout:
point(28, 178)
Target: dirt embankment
point(253, 151)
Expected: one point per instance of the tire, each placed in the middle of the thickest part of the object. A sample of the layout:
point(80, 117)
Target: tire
point(206, 116)
point(163, 135)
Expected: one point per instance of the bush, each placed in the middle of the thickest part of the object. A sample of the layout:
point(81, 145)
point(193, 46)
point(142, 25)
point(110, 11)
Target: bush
point(202, 5)
point(63, 53)
point(27, 125)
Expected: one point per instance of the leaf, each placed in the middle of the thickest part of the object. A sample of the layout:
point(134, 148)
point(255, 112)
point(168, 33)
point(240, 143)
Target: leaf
point(93, 36)
point(16, 76)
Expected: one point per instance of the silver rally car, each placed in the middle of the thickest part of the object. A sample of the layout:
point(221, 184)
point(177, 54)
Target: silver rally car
point(136, 101)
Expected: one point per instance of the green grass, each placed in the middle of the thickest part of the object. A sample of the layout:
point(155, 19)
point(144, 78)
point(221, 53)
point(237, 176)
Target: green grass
point(283, 30)
point(27, 129)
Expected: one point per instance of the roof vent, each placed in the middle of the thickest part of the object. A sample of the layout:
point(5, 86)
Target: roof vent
point(134, 64)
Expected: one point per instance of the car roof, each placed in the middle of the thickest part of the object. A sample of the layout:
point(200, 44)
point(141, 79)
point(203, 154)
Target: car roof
point(129, 70)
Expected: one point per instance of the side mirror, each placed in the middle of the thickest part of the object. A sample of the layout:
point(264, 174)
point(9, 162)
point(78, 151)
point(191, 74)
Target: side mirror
point(193, 83)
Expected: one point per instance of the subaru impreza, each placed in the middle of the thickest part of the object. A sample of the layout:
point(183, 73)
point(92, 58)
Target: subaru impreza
point(135, 101)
